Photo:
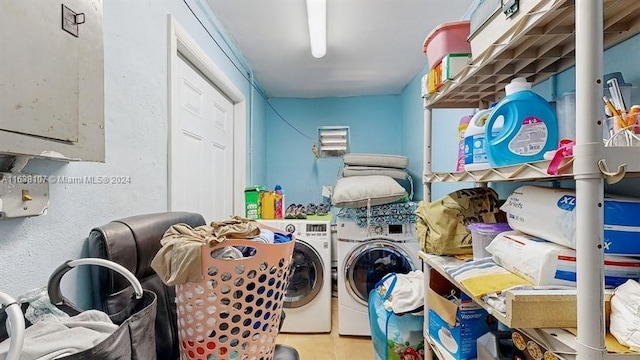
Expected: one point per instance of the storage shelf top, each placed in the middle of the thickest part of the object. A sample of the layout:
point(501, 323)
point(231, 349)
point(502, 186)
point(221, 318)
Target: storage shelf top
point(540, 44)
point(616, 163)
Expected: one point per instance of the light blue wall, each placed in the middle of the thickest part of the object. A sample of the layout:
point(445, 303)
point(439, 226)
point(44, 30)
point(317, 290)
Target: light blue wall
point(413, 132)
point(374, 124)
point(443, 137)
point(135, 35)
point(258, 141)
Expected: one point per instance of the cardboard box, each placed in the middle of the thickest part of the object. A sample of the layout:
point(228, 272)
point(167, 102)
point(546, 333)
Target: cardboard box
point(252, 201)
point(456, 327)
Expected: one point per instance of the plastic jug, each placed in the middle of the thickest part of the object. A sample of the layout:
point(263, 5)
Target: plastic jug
point(462, 128)
point(475, 155)
point(529, 127)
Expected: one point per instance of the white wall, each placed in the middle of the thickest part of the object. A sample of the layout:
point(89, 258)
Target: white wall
point(135, 35)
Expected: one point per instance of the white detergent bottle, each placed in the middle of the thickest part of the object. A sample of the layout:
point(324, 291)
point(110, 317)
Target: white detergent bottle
point(528, 127)
point(475, 155)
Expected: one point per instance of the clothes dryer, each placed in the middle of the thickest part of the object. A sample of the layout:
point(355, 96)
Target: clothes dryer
point(365, 255)
point(307, 301)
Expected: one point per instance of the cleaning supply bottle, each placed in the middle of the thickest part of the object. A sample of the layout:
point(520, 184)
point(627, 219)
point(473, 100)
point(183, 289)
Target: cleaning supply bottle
point(279, 202)
point(529, 127)
point(475, 156)
point(462, 127)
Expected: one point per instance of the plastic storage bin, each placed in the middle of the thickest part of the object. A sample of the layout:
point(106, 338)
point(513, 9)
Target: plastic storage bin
point(481, 236)
point(235, 311)
point(447, 38)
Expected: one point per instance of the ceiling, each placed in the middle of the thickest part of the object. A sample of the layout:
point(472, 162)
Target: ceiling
point(374, 47)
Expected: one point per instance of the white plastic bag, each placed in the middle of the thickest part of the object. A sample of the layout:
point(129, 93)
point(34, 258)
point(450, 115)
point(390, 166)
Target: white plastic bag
point(625, 314)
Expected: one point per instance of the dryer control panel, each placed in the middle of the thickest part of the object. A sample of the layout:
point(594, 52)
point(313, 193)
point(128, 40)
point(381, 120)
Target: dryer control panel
point(395, 232)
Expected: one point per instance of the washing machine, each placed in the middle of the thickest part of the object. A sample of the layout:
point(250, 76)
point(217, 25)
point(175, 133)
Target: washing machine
point(365, 255)
point(307, 301)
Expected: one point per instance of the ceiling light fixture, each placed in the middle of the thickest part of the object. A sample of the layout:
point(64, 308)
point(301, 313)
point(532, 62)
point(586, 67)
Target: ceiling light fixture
point(317, 17)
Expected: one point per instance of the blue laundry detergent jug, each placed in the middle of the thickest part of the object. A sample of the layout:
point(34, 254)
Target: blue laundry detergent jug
point(529, 127)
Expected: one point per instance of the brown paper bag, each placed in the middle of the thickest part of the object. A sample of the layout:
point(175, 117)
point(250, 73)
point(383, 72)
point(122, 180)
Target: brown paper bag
point(442, 224)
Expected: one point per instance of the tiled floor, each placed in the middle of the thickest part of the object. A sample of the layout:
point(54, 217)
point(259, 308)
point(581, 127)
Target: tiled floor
point(329, 346)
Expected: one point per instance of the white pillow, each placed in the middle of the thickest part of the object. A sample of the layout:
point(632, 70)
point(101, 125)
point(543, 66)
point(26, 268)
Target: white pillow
point(382, 160)
point(356, 191)
point(374, 170)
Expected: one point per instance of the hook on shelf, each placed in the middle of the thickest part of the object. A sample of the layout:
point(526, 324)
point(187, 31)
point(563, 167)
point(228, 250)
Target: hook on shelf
point(612, 177)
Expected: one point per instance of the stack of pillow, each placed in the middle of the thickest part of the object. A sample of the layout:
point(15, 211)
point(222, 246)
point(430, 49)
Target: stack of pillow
point(371, 179)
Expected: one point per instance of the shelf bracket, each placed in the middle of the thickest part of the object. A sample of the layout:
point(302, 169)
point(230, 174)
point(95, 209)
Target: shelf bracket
point(610, 176)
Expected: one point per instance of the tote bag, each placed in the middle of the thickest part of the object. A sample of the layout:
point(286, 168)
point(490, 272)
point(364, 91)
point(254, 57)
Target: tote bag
point(133, 339)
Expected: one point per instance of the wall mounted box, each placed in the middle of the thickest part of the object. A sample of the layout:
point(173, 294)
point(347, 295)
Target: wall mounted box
point(23, 195)
point(52, 72)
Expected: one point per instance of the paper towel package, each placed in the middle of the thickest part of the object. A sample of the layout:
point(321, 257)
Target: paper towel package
point(549, 213)
point(545, 263)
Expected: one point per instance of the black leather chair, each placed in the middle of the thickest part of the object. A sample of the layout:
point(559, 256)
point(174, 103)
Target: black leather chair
point(133, 242)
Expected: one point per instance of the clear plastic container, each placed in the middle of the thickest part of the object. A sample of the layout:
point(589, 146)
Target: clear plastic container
point(566, 113)
point(481, 236)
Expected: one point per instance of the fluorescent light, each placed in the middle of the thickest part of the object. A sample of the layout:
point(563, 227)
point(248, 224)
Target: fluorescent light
point(317, 17)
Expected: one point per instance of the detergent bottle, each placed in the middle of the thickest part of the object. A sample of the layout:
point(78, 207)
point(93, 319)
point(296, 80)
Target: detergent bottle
point(462, 128)
point(475, 155)
point(528, 127)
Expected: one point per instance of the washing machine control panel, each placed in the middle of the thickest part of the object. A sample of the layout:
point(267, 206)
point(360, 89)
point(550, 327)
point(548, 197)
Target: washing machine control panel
point(308, 229)
point(392, 230)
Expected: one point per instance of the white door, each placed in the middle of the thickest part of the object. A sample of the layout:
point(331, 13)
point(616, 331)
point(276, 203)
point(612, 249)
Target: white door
point(201, 146)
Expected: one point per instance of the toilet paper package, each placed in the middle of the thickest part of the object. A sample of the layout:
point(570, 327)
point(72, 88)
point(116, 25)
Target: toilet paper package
point(545, 263)
point(550, 214)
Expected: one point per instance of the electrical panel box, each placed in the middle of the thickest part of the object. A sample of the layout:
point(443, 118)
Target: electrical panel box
point(52, 79)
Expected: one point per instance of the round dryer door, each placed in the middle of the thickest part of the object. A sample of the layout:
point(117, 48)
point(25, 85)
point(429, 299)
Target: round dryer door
point(306, 276)
point(370, 262)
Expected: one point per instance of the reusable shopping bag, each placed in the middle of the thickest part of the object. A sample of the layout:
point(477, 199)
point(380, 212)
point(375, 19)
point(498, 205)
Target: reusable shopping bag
point(442, 224)
point(134, 337)
point(394, 336)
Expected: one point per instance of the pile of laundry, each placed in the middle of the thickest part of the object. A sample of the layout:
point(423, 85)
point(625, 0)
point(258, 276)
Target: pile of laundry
point(403, 293)
point(179, 260)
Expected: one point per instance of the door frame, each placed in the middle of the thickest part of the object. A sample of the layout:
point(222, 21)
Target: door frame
point(180, 42)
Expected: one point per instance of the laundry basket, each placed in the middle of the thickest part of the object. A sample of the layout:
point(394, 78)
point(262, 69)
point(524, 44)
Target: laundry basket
point(14, 324)
point(235, 311)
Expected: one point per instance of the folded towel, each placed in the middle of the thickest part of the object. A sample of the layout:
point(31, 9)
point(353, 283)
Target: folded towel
point(483, 276)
